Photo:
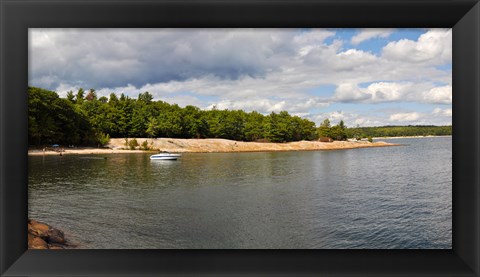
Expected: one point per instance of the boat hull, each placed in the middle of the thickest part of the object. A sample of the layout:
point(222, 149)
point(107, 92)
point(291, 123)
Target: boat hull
point(165, 156)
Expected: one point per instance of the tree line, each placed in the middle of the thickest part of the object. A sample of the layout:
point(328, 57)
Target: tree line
point(399, 131)
point(82, 118)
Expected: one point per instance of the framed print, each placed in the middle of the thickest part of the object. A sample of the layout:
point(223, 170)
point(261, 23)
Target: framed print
point(104, 104)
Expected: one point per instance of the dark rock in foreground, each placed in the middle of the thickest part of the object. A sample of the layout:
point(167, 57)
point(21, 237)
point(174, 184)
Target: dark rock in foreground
point(43, 236)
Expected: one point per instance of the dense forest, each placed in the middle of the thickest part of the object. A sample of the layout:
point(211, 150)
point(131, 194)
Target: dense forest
point(82, 118)
point(399, 131)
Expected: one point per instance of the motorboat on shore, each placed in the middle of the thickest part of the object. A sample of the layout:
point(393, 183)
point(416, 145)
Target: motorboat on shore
point(165, 156)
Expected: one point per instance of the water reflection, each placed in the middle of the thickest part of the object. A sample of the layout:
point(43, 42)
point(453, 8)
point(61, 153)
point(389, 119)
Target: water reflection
point(396, 197)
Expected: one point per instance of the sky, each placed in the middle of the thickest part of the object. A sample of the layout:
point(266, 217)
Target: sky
point(365, 77)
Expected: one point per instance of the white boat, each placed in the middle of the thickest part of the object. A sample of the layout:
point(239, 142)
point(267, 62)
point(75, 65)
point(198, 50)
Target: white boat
point(165, 156)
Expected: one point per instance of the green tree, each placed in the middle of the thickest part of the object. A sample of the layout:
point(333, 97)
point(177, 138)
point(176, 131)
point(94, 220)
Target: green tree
point(338, 132)
point(113, 100)
point(73, 120)
point(55, 120)
point(153, 126)
point(254, 126)
point(70, 96)
point(325, 129)
point(79, 98)
point(278, 127)
point(307, 130)
point(233, 124)
point(103, 139)
point(170, 123)
point(194, 123)
point(145, 97)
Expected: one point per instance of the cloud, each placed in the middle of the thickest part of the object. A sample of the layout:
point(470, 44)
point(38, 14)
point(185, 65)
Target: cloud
point(315, 37)
point(413, 116)
point(336, 116)
point(330, 58)
point(442, 112)
point(437, 117)
point(383, 92)
point(366, 34)
point(224, 95)
point(368, 121)
point(434, 48)
point(183, 100)
point(351, 118)
point(113, 57)
point(438, 95)
point(265, 106)
point(385, 117)
point(109, 58)
point(353, 59)
point(251, 69)
point(261, 105)
point(350, 93)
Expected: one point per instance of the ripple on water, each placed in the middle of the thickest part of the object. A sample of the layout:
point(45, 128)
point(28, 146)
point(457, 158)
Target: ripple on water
point(378, 198)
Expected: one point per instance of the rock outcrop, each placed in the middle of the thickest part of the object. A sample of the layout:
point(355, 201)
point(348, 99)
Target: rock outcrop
point(43, 236)
point(117, 145)
point(225, 145)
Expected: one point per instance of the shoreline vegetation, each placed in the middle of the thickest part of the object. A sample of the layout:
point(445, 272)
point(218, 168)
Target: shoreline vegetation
point(116, 146)
point(83, 119)
point(407, 137)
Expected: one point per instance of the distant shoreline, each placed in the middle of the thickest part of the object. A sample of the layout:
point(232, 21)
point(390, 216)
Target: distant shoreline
point(212, 146)
point(83, 151)
point(411, 137)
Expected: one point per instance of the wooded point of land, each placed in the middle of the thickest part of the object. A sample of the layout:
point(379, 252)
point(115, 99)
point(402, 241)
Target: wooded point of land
point(85, 119)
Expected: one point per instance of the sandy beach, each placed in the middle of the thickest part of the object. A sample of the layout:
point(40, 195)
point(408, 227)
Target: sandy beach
point(117, 146)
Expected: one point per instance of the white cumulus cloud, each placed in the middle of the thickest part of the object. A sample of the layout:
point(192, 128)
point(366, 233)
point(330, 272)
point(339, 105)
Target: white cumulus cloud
point(438, 95)
point(382, 92)
point(251, 69)
point(442, 112)
point(366, 34)
point(413, 116)
point(434, 47)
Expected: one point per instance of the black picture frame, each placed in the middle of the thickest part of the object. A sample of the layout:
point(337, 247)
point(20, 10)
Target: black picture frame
point(18, 15)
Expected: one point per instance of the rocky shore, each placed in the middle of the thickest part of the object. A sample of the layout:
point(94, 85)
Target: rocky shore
point(43, 236)
point(225, 145)
point(117, 145)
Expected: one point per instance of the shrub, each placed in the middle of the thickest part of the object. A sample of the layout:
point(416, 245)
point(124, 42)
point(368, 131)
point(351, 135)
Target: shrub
point(103, 139)
point(145, 146)
point(133, 144)
point(370, 139)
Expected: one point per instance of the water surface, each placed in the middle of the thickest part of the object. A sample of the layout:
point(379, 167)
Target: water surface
point(371, 198)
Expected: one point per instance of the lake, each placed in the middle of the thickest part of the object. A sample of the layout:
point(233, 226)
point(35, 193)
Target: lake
point(371, 198)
